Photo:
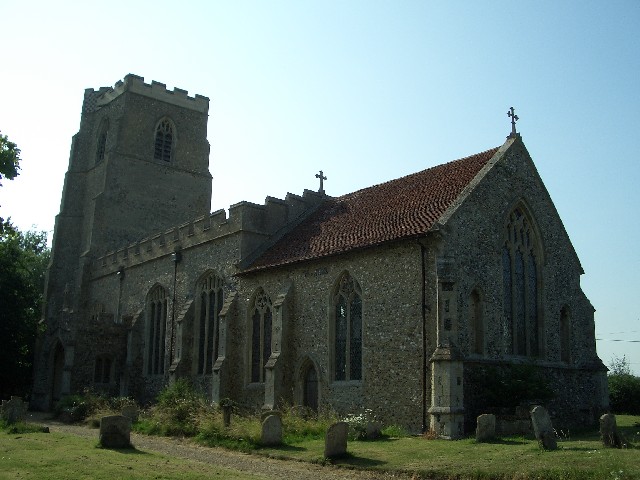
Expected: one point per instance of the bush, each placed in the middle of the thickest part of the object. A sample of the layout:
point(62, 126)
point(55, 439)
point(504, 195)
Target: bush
point(624, 393)
point(179, 411)
point(624, 387)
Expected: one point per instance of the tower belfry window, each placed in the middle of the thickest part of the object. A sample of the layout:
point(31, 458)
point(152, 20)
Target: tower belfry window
point(163, 141)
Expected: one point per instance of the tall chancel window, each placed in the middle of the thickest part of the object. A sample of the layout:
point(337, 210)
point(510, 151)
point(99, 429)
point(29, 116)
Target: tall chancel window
point(156, 312)
point(164, 141)
point(102, 140)
point(476, 323)
point(261, 320)
point(520, 264)
point(347, 330)
point(565, 335)
point(207, 329)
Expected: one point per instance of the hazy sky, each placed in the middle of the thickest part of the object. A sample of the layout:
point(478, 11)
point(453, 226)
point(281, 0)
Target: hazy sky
point(366, 91)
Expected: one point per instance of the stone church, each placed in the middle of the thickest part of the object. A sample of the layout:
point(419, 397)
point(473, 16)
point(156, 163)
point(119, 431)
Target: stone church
point(391, 298)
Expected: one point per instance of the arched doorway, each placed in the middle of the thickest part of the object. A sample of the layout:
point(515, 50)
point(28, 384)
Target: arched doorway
point(310, 388)
point(58, 369)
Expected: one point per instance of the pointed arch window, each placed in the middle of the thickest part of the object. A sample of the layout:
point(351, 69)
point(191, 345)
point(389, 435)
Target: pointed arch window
point(261, 320)
point(520, 266)
point(565, 335)
point(164, 141)
point(102, 140)
point(210, 297)
point(476, 322)
point(347, 330)
point(156, 311)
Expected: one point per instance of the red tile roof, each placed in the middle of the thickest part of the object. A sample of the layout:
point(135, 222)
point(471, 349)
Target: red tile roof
point(405, 207)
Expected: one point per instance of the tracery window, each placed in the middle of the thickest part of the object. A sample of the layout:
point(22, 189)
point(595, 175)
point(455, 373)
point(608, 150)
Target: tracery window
point(210, 298)
point(156, 311)
point(102, 140)
point(347, 330)
point(102, 369)
point(520, 281)
point(565, 335)
point(164, 141)
point(261, 320)
point(476, 322)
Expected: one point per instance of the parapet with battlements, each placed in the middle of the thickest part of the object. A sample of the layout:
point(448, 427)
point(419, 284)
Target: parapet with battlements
point(94, 99)
point(264, 221)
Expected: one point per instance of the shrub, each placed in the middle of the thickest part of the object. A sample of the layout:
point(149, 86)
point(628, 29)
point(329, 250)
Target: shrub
point(624, 393)
point(179, 411)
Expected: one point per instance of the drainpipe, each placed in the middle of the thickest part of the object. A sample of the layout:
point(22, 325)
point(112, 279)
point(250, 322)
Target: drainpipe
point(423, 255)
point(175, 257)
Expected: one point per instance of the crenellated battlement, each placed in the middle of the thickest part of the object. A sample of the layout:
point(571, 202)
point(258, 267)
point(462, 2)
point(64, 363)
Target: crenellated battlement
point(262, 221)
point(94, 99)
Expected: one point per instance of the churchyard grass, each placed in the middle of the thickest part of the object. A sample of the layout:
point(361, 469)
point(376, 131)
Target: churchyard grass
point(579, 456)
point(57, 456)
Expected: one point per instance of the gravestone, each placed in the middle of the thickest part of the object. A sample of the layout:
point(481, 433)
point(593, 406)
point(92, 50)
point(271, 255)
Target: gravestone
point(486, 427)
point(609, 431)
point(115, 431)
point(543, 429)
point(14, 410)
point(131, 412)
point(373, 431)
point(271, 431)
point(335, 440)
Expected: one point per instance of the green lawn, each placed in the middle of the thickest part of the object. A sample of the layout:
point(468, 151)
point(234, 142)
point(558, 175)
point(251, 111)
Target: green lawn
point(65, 456)
point(582, 457)
point(58, 456)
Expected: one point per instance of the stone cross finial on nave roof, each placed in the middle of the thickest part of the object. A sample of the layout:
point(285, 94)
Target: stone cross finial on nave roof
point(514, 118)
point(322, 178)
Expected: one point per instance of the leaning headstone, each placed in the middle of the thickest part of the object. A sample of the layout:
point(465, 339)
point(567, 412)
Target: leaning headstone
point(335, 440)
point(543, 429)
point(14, 410)
point(226, 415)
point(131, 412)
point(486, 427)
point(115, 431)
point(271, 431)
point(609, 431)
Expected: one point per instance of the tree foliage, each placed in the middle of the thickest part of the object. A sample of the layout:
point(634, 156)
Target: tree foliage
point(9, 158)
point(23, 262)
point(624, 387)
point(9, 166)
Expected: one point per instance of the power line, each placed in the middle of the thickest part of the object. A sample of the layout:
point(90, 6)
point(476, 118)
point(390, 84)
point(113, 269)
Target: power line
point(616, 340)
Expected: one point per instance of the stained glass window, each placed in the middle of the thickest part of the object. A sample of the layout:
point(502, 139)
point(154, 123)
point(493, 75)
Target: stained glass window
point(210, 304)
point(520, 281)
point(261, 321)
point(157, 321)
point(347, 334)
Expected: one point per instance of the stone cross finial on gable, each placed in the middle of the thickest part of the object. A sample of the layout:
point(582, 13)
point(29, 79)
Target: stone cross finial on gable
point(322, 178)
point(514, 119)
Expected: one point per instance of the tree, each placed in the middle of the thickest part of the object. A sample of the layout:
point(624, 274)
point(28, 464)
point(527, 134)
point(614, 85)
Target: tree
point(9, 166)
point(23, 262)
point(9, 158)
point(624, 387)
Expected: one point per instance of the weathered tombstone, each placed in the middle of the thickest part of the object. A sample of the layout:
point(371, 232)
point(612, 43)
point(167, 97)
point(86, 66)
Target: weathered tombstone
point(14, 410)
point(609, 431)
point(267, 413)
point(226, 415)
point(131, 412)
point(486, 427)
point(373, 431)
point(335, 440)
point(115, 431)
point(271, 431)
point(543, 429)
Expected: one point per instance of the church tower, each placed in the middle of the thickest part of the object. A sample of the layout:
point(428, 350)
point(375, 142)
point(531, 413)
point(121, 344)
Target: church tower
point(139, 164)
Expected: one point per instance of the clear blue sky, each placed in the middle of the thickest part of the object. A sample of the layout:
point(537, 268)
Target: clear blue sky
point(366, 91)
